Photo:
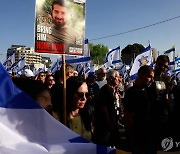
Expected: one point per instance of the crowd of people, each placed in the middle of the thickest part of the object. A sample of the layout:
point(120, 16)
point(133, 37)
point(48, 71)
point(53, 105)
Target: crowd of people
point(100, 105)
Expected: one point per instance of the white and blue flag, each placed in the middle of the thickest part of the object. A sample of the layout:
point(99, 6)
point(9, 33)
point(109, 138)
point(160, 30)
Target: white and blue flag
point(26, 128)
point(92, 68)
point(112, 57)
point(87, 69)
point(53, 67)
point(171, 54)
point(18, 66)
point(177, 64)
point(143, 58)
point(74, 59)
point(122, 70)
point(10, 60)
point(80, 69)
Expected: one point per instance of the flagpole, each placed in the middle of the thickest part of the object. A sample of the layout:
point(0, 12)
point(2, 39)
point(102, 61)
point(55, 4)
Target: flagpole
point(84, 74)
point(174, 62)
point(64, 90)
point(119, 54)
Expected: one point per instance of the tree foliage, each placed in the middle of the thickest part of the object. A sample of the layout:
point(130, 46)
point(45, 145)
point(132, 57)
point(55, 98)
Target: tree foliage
point(98, 53)
point(130, 52)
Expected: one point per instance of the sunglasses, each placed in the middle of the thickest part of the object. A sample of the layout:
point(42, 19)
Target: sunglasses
point(42, 75)
point(81, 95)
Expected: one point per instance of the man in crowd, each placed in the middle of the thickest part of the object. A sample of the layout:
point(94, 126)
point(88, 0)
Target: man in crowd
point(57, 90)
point(106, 112)
point(137, 114)
point(61, 32)
point(159, 97)
point(101, 77)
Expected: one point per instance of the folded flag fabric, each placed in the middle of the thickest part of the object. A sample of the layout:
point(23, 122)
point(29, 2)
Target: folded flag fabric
point(26, 128)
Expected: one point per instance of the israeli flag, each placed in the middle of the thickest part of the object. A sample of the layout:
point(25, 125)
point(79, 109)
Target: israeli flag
point(177, 65)
point(122, 70)
point(53, 67)
point(112, 57)
point(10, 60)
point(17, 66)
point(171, 54)
point(26, 128)
point(80, 68)
point(92, 68)
point(74, 59)
point(143, 58)
point(38, 71)
point(87, 68)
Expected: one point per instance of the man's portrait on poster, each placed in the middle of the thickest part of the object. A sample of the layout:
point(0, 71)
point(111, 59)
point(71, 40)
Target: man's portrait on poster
point(60, 25)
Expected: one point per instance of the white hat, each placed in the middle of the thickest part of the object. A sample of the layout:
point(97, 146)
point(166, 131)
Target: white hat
point(28, 73)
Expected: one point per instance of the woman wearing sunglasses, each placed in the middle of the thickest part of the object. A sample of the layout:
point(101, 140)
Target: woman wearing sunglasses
point(78, 118)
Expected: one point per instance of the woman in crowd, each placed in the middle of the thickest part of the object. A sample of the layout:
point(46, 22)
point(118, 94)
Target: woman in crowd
point(78, 118)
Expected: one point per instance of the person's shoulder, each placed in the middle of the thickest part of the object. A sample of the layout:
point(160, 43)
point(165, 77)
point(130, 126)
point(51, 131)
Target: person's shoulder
point(57, 85)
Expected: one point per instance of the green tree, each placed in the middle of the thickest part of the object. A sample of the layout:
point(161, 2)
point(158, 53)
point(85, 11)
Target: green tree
point(98, 53)
point(130, 52)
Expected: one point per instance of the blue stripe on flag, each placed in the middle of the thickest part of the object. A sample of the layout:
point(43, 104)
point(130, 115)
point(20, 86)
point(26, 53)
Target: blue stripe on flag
point(169, 51)
point(145, 50)
point(172, 63)
point(104, 150)
point(77, 60)
point(134, 76)
point(116, 61)
point(177, 70)
point(78, 140)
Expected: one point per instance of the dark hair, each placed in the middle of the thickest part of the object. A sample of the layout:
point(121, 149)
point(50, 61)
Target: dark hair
point(72, 85)
point(58, 2)
point(163, 58)
point(33, 88)
point(59, 73)
point(46, 80)
point(145, 69)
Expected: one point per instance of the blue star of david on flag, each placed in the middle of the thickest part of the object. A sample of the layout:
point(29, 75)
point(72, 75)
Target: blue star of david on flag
point(143, 60)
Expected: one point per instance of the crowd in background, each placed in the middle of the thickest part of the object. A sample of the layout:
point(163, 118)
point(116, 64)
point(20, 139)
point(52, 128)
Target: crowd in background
point(106, 109)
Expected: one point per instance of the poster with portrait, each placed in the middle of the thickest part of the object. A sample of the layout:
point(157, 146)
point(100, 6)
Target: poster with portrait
point(60, 26)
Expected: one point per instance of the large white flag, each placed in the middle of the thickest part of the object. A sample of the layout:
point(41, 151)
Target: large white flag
point(26, 128)
point(143, 58)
